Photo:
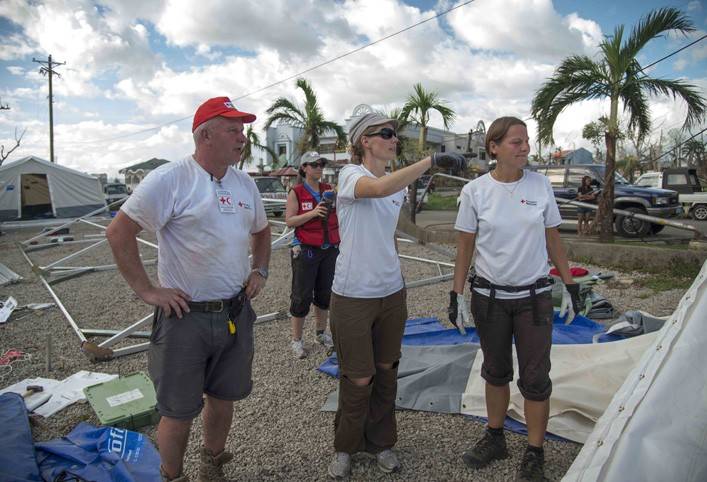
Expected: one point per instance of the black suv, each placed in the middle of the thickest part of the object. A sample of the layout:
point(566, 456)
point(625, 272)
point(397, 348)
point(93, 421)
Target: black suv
point(654, 202)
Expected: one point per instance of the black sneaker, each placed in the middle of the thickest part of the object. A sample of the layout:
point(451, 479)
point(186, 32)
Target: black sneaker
point(489, 448)
point(532, 467)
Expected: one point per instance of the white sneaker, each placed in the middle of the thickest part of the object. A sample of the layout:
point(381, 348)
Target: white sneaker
point(388, 461)
point(325, 339)
point(340, 466)
point(298, 349)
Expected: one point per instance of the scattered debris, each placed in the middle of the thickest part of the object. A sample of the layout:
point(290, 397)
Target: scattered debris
point(6, 308)
point(7, 276)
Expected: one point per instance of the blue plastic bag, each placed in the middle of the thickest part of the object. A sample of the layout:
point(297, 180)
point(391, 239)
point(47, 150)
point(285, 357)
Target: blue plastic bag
point(101, 454)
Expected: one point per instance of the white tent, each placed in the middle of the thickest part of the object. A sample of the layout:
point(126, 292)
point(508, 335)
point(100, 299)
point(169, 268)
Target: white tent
point(34, 188)
point(655, 427)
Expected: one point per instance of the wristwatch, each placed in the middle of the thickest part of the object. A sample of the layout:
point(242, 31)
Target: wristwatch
point(262, 272)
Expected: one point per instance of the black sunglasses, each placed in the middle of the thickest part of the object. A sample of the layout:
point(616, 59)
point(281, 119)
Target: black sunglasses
point(386, 133)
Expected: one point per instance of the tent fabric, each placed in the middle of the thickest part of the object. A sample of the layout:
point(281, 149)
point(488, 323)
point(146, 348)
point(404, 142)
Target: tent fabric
point(430, 378)
point(584, 378)
point(429, 331)
point(99, 454)
point(655, 427)
point(17, 457)
point(72, 193)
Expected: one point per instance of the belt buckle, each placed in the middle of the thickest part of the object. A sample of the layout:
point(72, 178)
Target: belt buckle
point(212, 306)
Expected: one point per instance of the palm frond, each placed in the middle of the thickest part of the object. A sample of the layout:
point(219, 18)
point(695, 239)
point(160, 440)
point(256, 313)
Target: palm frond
point(653, 25)
point(689, 93)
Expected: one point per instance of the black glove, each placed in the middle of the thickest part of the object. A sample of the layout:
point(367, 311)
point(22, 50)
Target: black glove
point(453, 308)
point(449, 160)
point(573, 290)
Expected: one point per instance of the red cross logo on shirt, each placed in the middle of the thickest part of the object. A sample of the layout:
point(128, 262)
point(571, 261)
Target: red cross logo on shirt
point(225, 200)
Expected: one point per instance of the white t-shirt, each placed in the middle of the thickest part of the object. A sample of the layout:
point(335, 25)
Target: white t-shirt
point(203, 227)
point(509, 220)
point(368, 265)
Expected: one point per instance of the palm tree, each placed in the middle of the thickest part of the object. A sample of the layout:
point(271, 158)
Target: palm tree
point(417, 109)
point(308, 117)
point(253, 140)
point(404, 142)
point(694, 151)
point(617, 75)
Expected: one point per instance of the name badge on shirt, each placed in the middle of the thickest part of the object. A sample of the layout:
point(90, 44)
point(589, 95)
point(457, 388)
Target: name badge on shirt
point(224, 198)
point(307, 205)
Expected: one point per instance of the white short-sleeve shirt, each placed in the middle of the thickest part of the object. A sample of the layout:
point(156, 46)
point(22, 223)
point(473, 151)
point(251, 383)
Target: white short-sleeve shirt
point(509, 220)
point(203, 226)
point(368, 265)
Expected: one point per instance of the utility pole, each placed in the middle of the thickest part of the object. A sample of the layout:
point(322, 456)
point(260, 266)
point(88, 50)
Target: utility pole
point(46, 69)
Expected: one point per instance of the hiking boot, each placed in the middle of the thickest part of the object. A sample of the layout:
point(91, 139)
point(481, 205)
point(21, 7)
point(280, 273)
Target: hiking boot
point(211, 467)
point(532, 467)
point(325, 340)
point(179, 478)
point(489, 448)
point(340, 466)
point(298, 349)
point(387, 461)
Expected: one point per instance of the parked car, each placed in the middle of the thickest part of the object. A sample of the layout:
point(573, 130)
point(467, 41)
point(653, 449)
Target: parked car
point(115, 191)
point(685, 182)
point(272, 188)
point(660, 203)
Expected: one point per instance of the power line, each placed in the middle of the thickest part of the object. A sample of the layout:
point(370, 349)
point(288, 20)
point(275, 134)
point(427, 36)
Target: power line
point(673, 53)
point(679, 145)
point(310, 69)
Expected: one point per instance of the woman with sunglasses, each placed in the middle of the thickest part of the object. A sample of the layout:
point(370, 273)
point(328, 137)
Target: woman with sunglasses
point(510, 217)
point(368, 301)
point(311, 211)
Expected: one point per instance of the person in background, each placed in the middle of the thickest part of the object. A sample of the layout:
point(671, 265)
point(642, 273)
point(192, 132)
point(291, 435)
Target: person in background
point(368, 303)
point(311, 211)
point(587, 194)
point(510, 217)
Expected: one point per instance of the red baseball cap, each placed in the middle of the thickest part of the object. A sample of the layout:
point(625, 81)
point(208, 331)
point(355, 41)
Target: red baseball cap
point(219, 106)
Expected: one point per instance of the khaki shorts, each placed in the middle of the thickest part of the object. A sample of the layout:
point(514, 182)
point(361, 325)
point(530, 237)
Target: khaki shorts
point(195, 355)
point(509, 319)
point(367, 331)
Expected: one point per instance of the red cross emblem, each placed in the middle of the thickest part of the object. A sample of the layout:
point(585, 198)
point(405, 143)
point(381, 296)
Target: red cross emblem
point(225, 200)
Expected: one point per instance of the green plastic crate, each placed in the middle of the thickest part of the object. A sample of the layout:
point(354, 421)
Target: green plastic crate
point(126, 402)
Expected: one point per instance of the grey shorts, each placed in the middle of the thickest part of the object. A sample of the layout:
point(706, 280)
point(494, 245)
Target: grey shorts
point(195, 355)
point(509, 319)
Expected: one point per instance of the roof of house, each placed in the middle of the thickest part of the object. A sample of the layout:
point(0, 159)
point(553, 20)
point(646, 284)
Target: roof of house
point(284, 171)
point(145, 165)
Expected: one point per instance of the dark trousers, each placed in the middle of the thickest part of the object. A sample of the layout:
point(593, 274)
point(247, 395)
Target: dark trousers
point(367, 333)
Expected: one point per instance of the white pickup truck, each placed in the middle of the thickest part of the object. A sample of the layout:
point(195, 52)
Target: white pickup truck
point(685, 182)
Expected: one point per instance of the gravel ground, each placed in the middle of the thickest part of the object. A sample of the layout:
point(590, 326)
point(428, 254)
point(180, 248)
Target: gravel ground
point(278, 432)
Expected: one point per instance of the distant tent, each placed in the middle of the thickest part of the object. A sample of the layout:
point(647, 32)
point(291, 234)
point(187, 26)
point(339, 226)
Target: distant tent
point(33, 188)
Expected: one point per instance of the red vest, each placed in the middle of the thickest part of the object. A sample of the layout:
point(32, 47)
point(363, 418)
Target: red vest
point(312, 232)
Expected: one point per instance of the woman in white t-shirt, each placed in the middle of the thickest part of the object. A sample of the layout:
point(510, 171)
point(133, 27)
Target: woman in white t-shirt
point(510, 217)
point(368, 301)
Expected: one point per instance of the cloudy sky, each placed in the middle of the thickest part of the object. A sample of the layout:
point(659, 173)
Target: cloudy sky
point(136, 69)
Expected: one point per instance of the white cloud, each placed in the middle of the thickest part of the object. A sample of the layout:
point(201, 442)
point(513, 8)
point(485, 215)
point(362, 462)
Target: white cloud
point(694, 6)
point(274, 24)
point(16, 70)
point(526, 28)
point(79, 34)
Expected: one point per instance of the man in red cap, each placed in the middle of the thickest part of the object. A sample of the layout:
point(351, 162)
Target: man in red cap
point(205, 214)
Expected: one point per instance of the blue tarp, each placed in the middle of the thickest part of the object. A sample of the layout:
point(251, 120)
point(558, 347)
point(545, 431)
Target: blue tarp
point(17, 460)
point(100, 454)
point(429, 331)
